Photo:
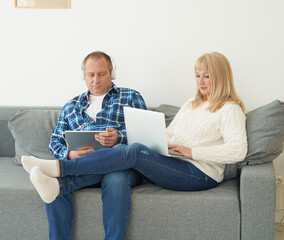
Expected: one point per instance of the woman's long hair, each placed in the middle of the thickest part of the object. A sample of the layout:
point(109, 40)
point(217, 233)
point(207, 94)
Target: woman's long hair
point(222, 85)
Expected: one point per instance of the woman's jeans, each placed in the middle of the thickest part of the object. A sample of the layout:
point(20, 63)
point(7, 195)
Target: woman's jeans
point(116, 185)
point(167, 172)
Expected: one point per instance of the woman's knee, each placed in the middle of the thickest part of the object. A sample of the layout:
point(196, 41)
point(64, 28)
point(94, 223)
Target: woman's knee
point(120, 145)
point(137, 147)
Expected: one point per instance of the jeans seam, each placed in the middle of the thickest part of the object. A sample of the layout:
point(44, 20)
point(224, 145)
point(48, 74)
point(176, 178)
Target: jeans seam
point(60, 186)
point(67, 184)
point(61, 168)
point(129, 202)
point(172, 169)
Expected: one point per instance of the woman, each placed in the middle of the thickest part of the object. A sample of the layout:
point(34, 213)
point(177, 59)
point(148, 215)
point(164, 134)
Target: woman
point(208, 132)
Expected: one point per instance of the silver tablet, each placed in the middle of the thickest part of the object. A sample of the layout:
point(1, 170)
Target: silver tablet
point(82, 139)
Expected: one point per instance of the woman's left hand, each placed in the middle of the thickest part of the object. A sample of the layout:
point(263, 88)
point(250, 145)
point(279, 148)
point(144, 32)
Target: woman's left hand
point(185, 151)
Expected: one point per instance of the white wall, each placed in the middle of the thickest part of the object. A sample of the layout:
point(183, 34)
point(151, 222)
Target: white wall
point(154, 43)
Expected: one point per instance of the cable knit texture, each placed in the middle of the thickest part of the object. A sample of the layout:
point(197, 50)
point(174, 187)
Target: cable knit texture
point(215, 139)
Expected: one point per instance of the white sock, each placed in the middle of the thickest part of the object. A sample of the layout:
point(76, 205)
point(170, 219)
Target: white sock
point(48, 167)
point(47, 187)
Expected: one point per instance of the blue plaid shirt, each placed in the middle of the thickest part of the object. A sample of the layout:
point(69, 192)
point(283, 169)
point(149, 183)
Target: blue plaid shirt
point(73, 117)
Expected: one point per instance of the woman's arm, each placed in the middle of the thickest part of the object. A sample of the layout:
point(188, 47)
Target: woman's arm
point(233, 130)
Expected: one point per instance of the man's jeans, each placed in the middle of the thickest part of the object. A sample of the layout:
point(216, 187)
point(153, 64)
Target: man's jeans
point(167, 172)
point(116, 187)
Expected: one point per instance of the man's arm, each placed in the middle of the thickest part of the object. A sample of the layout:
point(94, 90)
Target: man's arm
point(57, 144)
point(112, 136)
point(137, 101)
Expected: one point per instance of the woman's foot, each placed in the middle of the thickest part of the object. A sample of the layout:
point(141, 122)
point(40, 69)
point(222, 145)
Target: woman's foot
point(47, 187)
point(48, 167)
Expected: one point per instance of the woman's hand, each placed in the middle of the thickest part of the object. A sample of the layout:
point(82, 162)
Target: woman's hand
point(79, 153)
point(185, 151)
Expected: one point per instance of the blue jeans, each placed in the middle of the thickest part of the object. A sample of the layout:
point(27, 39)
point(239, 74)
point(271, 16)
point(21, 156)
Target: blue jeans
point(116, 185)
point(167, 172)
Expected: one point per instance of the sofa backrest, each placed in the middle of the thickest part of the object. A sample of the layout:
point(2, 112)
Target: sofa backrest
point(265, 131)
point(7, 146)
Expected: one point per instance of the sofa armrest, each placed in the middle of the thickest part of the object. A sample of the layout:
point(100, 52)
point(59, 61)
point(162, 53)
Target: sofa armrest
point(257, 196)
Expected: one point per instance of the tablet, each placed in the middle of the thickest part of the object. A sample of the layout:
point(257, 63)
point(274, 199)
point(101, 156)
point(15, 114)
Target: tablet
point(82, 139)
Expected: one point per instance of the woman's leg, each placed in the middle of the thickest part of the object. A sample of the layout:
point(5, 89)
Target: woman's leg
point(171, 173)
point(70, 184)
point(50, 188)
point(167, 172)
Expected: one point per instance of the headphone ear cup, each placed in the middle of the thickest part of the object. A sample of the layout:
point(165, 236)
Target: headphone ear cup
point(83, 75)
point(113, 71)
point(113, 75)
point(83, 71)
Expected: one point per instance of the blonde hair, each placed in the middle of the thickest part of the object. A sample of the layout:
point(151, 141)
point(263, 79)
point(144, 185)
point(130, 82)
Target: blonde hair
point(222, 85)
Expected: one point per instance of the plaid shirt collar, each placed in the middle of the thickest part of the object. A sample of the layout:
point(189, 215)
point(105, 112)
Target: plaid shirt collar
point(85, 103)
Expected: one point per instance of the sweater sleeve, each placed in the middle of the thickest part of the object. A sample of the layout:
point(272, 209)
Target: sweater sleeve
point(170, 128)
point(234, 146)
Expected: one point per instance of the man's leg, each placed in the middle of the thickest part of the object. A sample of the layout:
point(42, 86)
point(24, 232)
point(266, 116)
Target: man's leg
point(60, 211)
point(115, 190)
point(60, 217)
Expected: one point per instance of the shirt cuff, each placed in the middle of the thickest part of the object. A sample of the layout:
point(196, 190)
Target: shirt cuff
point(121, 138)
point(63, 154)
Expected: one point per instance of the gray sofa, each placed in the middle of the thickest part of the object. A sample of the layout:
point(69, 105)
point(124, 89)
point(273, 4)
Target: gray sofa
point(241, 207)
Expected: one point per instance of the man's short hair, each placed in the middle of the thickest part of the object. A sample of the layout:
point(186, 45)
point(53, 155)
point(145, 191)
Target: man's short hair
point(97, 55)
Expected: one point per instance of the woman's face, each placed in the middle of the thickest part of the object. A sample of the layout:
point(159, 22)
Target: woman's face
point(203, 82)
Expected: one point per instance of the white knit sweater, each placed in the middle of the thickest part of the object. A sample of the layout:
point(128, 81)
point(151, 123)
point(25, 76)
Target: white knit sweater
point(215, 139)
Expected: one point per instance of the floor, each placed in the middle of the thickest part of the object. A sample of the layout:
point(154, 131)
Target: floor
point(279, 231)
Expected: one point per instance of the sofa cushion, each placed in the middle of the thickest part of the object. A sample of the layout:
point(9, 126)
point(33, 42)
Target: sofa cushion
point(265, 132)
point(7, 146)
point(169, 110)
point(31, 130)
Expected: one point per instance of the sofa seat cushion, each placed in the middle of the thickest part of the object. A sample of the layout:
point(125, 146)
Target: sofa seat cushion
point(22, 211)
point(20, 203)
point(204, 213)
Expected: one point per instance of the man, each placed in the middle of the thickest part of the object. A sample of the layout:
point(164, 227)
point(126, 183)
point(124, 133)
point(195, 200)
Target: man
point(101, 108)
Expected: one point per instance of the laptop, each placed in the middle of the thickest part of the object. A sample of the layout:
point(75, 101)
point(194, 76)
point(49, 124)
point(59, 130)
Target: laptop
point(148, 128)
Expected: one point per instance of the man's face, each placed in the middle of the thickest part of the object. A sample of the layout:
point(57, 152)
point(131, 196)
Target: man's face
point(97, 75)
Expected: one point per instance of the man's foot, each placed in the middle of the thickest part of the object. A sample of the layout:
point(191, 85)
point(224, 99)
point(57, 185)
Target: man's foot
point(47, 187)
point(48, 167)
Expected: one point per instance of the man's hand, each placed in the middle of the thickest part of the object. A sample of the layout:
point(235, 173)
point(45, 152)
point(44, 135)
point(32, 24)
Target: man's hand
point(185, 151)
point(79, 153)
point(108, 138)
